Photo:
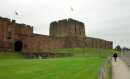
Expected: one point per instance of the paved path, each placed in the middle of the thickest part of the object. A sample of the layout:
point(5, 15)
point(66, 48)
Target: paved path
point(120, 70)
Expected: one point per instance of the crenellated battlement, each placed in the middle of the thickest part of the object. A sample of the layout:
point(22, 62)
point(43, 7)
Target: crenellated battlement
point(9, 29)
point(24, 29)
point(65, 33)
point(4, 19)
point(69, 20)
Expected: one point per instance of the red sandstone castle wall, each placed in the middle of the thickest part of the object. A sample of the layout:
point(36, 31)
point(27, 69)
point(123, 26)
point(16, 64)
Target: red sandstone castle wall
point(10, 31)
point(23, 30)
point(43, 43)
point(98, 43)
point(6, 32)
point(63, 34)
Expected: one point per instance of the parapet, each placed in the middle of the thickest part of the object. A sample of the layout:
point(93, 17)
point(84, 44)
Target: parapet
point(76, 21)
point(4, 19)
point(69, 20)
point(23, 26)
point(63, 20)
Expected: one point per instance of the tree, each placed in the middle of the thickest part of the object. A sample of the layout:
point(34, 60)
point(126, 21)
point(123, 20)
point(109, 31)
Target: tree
point(125, 49)
point(118, 48)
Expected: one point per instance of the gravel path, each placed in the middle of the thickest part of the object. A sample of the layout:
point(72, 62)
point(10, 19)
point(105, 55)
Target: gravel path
point(120, 70)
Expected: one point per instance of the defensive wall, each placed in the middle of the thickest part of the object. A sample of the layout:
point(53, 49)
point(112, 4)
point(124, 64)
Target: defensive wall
point(67, 33)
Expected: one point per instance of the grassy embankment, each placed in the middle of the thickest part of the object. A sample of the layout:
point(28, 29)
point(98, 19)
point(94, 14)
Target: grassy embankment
point(85, 64)
point(87, 52)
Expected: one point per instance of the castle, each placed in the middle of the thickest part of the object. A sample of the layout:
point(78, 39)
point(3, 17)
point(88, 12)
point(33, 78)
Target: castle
point(67, 33)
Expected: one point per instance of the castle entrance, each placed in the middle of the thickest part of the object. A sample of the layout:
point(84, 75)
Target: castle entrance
point(18, 45)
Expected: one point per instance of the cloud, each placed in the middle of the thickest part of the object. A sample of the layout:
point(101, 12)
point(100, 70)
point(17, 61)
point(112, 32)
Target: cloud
point(107, 19)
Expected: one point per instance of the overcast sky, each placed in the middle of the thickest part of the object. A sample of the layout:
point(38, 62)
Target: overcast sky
point(106, 19)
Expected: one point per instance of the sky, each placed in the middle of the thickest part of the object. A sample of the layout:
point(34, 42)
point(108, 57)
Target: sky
point(106, 19)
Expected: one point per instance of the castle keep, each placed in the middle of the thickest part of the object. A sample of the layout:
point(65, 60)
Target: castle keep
point(67, 33)
point(65, 28)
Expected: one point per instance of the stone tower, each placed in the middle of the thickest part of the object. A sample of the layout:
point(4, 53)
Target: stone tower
point(67, 28)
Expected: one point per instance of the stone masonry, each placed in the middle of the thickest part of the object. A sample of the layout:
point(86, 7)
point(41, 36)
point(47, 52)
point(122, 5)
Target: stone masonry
point(67, 33)
point(65, 28)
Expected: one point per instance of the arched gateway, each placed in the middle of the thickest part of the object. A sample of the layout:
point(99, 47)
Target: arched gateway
point(18, 46)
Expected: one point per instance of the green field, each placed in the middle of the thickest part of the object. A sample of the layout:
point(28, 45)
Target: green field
point(81, 66)
point(89, 52)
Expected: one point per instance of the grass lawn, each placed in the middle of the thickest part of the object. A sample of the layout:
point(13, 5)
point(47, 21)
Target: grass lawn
point(76, 67)
point(10, 55)
point(60, 68)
